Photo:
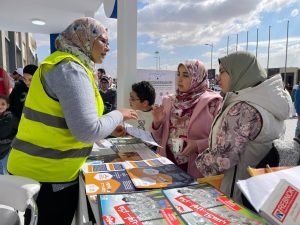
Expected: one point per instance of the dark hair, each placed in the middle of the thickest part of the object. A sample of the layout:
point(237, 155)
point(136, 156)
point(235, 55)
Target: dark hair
point(30, 68)
point(145, 91)
point(5, 98)
point(101, 70)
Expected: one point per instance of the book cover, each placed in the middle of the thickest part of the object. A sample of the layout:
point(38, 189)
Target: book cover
point(108, 182)
point(159, 177)
point(203, 204)
point(137, 208)
point(283, 205)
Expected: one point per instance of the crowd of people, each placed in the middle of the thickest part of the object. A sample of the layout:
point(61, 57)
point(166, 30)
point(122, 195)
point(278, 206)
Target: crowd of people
point(203, 132)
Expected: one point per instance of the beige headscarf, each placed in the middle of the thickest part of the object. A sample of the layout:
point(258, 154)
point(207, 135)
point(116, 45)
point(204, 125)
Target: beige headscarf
point(78, 39)
point(243, 69)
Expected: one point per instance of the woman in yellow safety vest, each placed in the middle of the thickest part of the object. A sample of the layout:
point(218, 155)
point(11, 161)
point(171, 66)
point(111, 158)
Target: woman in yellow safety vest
point(62, 118)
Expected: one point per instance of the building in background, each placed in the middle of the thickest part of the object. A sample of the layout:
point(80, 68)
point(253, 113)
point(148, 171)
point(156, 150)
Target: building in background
point(17, 49)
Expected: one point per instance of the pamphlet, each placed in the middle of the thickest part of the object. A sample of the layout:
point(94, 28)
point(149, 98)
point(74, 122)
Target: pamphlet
point(144, 135)
point(137, 208)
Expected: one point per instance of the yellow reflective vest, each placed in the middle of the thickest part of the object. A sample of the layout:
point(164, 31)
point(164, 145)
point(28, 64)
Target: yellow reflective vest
point(44, 148)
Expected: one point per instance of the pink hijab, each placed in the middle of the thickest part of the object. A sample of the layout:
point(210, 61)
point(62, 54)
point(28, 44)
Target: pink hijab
point(185, 102)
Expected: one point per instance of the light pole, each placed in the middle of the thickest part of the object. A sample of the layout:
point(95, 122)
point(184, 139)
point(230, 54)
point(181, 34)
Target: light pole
point(157, 60)
point(269, 49)
point(286, 49)
point(256, 42)
point(211, 54)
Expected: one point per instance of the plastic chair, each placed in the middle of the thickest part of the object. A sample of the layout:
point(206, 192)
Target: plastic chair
point(16, 194)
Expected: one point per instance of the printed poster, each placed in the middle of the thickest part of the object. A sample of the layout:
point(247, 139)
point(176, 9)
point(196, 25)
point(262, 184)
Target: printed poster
point(163, 81)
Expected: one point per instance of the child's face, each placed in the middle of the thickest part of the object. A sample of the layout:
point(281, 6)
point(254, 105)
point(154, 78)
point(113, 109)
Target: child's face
point(27, 79)
point(3, 105)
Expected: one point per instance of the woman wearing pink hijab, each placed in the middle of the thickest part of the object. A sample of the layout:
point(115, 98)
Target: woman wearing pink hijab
point(181, 125)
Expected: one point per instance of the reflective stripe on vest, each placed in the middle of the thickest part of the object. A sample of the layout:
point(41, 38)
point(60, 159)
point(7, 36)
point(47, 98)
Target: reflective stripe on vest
point(45, 149)
point(49, 120)
point(50, 153)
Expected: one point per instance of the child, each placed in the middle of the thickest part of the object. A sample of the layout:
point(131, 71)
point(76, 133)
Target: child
point(8, 130)
point(142, 98)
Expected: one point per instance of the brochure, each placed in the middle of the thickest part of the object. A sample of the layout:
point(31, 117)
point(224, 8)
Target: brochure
point(144, 135)
point(137, 208)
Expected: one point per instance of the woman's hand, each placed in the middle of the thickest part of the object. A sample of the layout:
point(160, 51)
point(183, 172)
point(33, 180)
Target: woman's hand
point(128, 114)
point(119, 131)
point(191, 148)
point(158, 115)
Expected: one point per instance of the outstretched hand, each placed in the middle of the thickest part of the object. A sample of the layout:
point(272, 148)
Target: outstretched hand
point(158, 114)
point(129, 114)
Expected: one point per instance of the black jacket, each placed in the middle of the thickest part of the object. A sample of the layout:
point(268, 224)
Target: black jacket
point(8, 130)
point(17, 99)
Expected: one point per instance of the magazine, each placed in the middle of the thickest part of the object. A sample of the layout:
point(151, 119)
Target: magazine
point(137, 208)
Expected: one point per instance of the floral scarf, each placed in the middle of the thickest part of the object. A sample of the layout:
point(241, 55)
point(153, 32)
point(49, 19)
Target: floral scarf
point(184, 102)
point(78, 39)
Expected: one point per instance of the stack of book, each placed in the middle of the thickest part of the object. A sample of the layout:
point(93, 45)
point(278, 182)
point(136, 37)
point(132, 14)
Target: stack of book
point(196, 204)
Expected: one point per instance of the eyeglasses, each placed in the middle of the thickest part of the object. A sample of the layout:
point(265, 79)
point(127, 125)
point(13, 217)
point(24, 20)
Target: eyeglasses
point(104, 41)
point(134, 99)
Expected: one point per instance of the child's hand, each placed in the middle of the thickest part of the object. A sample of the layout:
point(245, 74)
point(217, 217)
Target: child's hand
point(129, 114)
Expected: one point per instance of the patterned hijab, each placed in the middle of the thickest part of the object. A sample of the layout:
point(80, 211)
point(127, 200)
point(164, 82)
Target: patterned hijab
point(243, 69)
point(78, 39)
point(185, 102)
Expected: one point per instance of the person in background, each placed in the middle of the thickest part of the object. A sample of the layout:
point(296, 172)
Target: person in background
point(8, 130)
point(142, 98)
point(17, 74)
point(297, 108)
point(109, 96)
point(5, 84)
point(64, 102)
point(181, 125)
point(101, 72)
point(19, 93)
point(251, 118)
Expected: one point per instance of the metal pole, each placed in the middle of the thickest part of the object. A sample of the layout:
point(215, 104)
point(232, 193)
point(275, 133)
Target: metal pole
point(157, 58)
point(286, 49)
point(227, 43)
point(247, 42)
point(256, 42)
point(269, 49)
point(211, 55)
point(237, 42)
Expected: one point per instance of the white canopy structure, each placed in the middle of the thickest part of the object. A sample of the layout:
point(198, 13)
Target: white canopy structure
point(16, 15)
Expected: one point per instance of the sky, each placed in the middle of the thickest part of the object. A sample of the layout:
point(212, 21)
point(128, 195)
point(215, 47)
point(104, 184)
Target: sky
point(187, 29)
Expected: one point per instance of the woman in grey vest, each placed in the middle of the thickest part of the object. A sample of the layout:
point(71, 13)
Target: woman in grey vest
point(252, 116)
